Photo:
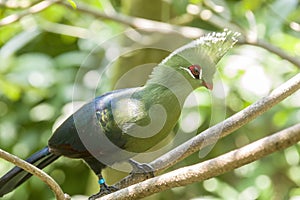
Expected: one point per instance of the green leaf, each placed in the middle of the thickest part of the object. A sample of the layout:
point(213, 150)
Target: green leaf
point(10, 90)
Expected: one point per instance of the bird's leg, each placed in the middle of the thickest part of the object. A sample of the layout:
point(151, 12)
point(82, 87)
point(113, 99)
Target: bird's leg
point(141, 168)
point(104, 189)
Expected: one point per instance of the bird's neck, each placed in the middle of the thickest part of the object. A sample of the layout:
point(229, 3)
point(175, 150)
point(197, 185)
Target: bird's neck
point(168, 89)
point(167, 86)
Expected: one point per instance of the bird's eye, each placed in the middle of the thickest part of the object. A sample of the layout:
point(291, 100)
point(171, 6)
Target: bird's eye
point(196, 71)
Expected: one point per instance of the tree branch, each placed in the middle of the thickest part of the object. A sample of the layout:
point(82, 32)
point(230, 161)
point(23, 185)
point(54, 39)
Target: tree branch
point(32, 10)
point(37, 172)
point(271, 48)
point(186, 31)
point(220, 130)
point(151, 25)
point(210, 168)
point(217, 21)
point(139, 23)
point(15, 5)
point(222, 23)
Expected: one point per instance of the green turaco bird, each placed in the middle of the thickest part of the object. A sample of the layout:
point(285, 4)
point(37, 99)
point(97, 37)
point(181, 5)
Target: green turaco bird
point(122, 123)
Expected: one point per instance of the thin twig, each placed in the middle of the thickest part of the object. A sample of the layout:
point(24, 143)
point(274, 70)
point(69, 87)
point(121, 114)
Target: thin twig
point(211, 168)
point(271, 48)
point(220, 130)
point(37, 172)
point(222, 23)
point(32, 10)
point(139, 23)
point(150, 25)
point(244, 39)
point(16, 5)
point(186, 31)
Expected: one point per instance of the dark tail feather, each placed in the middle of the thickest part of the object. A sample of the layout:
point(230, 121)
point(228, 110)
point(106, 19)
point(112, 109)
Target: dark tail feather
point(16, 176)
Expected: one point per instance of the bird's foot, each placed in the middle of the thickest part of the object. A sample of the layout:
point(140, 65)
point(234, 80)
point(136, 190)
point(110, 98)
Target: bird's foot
point(141, 168)
point(104, 190)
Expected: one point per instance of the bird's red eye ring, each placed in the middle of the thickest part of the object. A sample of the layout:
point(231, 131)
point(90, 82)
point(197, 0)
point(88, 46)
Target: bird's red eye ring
point(196, 71)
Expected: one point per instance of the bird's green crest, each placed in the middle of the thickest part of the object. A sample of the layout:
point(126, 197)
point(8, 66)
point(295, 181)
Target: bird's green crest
point(205, 52)
point(212, 45)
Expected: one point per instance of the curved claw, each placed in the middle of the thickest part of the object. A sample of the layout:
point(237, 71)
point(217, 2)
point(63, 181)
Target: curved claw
point(141, 168)
point(104, 189)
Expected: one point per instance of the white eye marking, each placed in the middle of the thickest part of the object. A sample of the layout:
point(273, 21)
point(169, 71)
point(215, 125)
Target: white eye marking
point(194, 71)
point(187, 71)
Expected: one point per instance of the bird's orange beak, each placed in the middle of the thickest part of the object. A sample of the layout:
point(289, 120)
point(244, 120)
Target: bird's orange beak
point(209, 86)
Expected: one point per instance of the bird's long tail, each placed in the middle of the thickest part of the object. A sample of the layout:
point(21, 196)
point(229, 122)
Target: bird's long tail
point(16, 176)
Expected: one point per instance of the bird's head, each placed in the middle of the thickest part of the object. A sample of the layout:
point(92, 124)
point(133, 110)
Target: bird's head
point(197, 60)
point(195, 73)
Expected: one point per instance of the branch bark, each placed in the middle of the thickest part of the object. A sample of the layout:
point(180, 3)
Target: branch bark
point(211, 168)
point(151, 25)
point(186, 31)
point(139, 23)
point(37, 172)
point(222, 23)
point(220, 130)
point(273, 49)
point(32, 10)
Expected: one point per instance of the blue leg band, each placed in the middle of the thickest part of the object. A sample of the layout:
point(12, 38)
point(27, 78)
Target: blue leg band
point(101, 181)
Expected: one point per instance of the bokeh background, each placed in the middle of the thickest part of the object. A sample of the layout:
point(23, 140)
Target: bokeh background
point(60, 57)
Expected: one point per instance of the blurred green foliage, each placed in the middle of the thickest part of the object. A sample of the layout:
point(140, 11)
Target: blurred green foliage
point(53, 60)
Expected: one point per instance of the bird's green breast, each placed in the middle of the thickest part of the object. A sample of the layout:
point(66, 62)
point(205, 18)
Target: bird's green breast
point(140, 117)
